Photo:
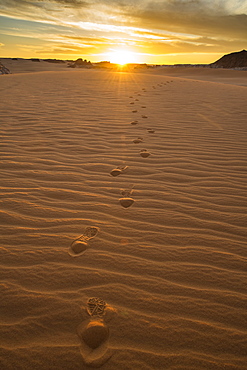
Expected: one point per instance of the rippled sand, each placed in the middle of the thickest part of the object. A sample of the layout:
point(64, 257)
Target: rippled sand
point(170, 266)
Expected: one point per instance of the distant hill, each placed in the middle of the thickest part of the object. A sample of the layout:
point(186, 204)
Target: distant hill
point(233, 60)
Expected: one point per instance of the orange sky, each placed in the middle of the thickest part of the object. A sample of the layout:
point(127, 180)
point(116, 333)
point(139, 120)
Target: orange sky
point(143, 31)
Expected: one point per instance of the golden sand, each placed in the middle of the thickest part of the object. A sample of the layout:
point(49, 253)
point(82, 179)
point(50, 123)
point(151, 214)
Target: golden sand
point(167, 255)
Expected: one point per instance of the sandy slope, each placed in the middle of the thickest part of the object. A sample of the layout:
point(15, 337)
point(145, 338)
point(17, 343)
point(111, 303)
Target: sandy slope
point(171, 267)
point(226, 76)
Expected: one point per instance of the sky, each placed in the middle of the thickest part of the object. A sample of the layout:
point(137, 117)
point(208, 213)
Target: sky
point(138, 31)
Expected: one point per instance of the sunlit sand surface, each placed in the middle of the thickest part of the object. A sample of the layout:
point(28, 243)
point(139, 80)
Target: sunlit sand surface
point(169, 257)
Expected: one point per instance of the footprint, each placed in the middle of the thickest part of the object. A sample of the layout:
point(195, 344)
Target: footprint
point(138, 140)
point(95, 307)
point(134, 122)
point(126, 201)
point(132, 102)
point(151, 131)
point(134, 111)
point(94, 335)
point(144, 153)
point(131, 97)
point(144, 106)
point(117, 171)
point(136, 99)
point(143, 116)
point(139, 94)
point(80, 245)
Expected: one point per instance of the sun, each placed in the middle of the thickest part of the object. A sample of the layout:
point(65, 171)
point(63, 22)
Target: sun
point(122, 57)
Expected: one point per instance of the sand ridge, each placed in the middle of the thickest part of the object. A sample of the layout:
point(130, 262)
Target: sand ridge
point(171, 265)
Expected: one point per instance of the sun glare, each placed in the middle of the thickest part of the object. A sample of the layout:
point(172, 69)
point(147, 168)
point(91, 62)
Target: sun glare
point(122, 57)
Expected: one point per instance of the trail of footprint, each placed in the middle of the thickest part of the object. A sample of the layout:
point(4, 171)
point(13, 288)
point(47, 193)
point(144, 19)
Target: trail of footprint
point(94, 335)
point(80, 245)
point(117, 171)
point(126, 201)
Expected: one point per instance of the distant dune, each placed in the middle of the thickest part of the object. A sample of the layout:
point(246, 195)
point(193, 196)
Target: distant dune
point(123, 218)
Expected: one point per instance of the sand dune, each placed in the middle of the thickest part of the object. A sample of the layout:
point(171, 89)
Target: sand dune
point(168, 271)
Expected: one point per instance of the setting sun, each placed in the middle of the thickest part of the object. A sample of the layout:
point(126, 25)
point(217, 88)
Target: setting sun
point(122, 57)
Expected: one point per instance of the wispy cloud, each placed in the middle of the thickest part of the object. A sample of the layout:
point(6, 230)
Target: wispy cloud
point(163, 26)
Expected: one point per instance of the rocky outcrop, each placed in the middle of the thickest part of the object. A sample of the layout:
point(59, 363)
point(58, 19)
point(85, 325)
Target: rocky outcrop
point(233, 60)
point(79, 63)
point(4, 70)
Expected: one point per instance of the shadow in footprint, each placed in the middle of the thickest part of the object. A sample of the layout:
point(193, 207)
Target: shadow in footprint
point(138, 140)
point(80, 245)
point(126, 201)
point(94, 334)
point(117, 171)
point(144, 153)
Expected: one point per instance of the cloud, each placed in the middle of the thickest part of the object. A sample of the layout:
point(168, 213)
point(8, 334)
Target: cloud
point(157, 26)
point(192, 17)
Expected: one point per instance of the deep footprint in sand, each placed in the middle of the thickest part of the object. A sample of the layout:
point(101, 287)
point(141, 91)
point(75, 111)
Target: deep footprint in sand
point(132, 102)
point(150, 131)
point(144, 153)
point(138, 140)
point(80, 245)
point(144, 116)
point(134, 111)
point(134, 122)
point(126, 201)
point(117, 171)
point(94, 335)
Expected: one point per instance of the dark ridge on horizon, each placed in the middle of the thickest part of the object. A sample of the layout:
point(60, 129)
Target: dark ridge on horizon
point(233, 60)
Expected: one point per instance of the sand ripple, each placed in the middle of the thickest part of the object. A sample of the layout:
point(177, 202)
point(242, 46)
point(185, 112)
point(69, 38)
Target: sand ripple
point(173, 264)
